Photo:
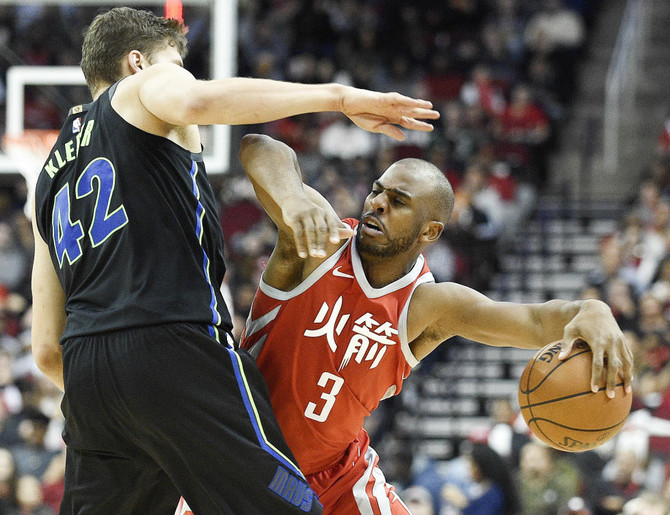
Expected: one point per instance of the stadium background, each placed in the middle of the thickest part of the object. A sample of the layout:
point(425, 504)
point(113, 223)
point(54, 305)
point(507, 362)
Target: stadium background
point(554, 136)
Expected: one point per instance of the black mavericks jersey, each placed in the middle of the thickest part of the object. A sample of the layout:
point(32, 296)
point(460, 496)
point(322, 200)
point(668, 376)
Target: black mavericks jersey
point(132, 227)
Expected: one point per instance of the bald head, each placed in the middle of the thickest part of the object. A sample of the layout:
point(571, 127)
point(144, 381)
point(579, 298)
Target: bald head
point(440, 195)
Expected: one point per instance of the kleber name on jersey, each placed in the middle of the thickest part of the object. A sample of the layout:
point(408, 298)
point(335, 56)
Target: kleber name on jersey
point(66, 152)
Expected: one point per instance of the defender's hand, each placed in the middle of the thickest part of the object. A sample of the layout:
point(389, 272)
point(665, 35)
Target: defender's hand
point(383, 112)
point(312, 227)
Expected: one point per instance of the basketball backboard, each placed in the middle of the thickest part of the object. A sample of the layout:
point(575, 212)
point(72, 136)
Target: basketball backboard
point(223, 50)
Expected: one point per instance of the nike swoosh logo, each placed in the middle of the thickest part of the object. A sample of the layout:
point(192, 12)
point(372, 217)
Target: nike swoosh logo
point(337, 273)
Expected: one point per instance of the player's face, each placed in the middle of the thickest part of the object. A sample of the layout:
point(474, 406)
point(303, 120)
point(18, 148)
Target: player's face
point(393, 214)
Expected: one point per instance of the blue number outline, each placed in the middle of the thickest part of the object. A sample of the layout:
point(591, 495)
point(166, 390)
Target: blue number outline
point(59, 230)
point(103, 223)
point(102, 218)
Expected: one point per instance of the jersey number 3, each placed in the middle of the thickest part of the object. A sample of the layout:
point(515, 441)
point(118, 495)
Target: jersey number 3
point(329, 397)
point(67, 234)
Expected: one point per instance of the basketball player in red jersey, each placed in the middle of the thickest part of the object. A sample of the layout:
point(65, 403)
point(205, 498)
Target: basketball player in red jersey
point(344, 311)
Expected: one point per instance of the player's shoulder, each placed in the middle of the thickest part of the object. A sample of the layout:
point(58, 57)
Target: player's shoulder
point(165, 72)
point(431, 295)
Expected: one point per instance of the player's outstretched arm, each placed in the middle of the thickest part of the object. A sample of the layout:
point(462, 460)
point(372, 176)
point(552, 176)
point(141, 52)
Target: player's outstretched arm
point(439, 311)
point(48, 314)
point(303, 217)
point(173, 95)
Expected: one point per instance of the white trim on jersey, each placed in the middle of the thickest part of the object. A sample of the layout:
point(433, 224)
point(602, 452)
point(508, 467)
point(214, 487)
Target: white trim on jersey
point(312, 278)
point(375, 293)
point(402, 322)
point(253, 326)
point(378, 490)
point(183, 508)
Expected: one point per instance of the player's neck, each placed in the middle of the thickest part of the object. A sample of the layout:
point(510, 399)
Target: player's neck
point(381, 271)
point(99, 91)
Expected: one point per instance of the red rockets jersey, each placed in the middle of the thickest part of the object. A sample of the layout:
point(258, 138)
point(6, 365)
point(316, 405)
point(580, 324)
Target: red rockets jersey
point(330, 350)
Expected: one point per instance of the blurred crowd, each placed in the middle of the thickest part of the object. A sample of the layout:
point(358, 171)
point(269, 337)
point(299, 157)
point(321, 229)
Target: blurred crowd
point(501, 72)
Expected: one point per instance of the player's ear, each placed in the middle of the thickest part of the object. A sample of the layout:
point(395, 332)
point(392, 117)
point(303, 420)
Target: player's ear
point(135, 61)
point(431, 231)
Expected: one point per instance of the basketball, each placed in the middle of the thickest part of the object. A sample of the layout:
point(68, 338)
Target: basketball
point(558, 405)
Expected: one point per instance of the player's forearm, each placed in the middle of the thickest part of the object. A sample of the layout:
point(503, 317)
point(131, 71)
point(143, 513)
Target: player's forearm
point(273, 169)
point(529, 326)
point(49, 360)
point(243, 101)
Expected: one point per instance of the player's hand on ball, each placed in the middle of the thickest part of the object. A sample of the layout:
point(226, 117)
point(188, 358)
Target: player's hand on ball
point(612, 357)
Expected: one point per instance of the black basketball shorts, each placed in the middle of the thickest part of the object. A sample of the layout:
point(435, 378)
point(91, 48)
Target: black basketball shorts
point(157, 412)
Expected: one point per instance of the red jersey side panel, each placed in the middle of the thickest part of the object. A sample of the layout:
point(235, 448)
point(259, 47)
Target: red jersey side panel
point(330, 350)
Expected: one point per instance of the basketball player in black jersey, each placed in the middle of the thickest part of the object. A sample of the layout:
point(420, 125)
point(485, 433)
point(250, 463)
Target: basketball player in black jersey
point(128, 316)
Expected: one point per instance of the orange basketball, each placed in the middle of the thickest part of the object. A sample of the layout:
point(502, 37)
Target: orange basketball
point(558, 405)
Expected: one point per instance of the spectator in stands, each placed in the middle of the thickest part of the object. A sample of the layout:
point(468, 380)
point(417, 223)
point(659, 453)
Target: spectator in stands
point(8, 477)
point(554, 28)
point(496, 55)
point(30, 453)
point(483, 91)
point(442, 81)
point(29, 498)
point(652, 393)
point(509, 432)
point(659, 172)
point(619, 296)
point(14, 263)
point(259, 40)
point(343, 140)
point(466, 130)
point(522, 130)
point(542, 79)
point(545, 481)
point(476, 222)
point(11, 401)
point(53, 482)
point(621, 480)
point(574, 506)
point(492, 490)
point(651, 318)
point(419, 500)
point(647, 200)
point(508, 19)
point(610, 254)
point(660, 284)
point(663, 139)
point(665, 491)
point(646, 503)
point(239, 208)
point(643, 246)
point(404, 78)
point(519, 198)
point(558, 33)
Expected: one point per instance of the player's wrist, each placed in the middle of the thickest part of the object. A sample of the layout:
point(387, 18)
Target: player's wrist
point(339, 94)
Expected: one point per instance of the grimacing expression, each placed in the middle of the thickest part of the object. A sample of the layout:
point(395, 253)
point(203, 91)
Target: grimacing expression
point(393, 214)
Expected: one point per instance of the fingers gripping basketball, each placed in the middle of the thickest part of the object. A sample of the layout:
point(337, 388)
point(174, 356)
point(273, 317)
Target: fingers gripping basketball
point(558, 405)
